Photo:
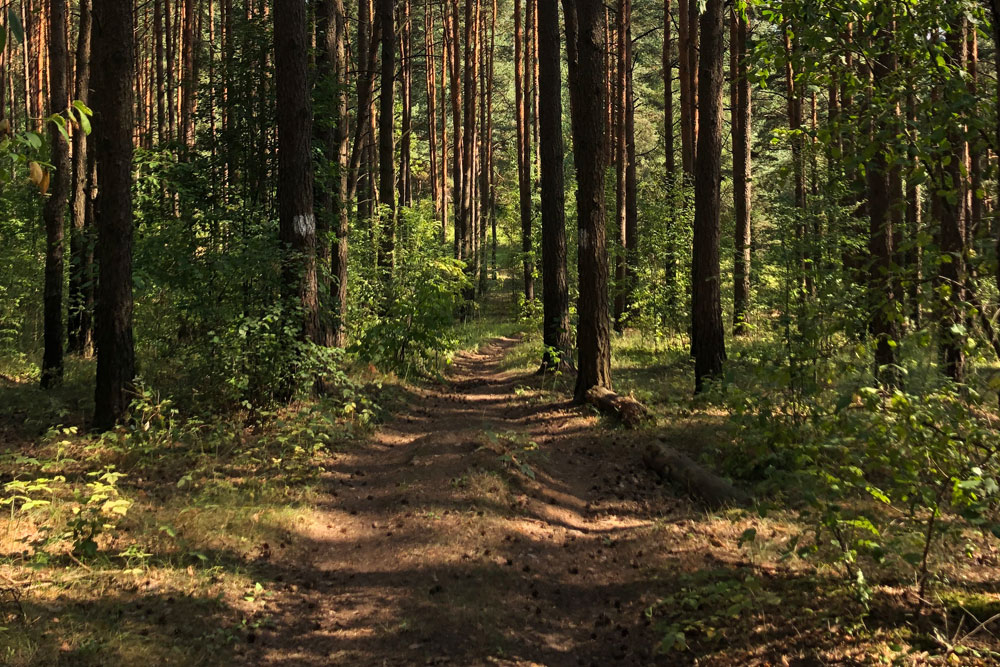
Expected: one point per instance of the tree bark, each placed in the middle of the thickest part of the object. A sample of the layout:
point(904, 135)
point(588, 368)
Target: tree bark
point(80, 330)
point(953, 227)
point(189, 85)
point(55, 208)
point(523, 152)
point(113, 109)
point(742, 141)
point(707, 334)
point(296, 217)
point(880, 203)
point(387, 200)
point(555, 284)
point(585, 28)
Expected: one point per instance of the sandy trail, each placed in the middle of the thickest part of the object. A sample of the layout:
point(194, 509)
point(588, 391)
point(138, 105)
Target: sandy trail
point(430, 547)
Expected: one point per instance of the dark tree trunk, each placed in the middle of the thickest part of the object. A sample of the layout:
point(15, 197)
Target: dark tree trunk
point(523, 152)
point(113, 109)
point(189, 87)
point(55, 207)
point(585, 29)
point(555, 289)
point(330, 191)
point(995, 12)
point(431, 87)
point(406, 88)
point(387, 199)
point(953, 228)
point(668, 96)
point(81, 335)
point(464, 223)
point(297, 221)
point(341, 222)
point(797, 139)
point(880, 244)
point(914, 223)
point(619, 105)
point(742, 141)
point(707, 335)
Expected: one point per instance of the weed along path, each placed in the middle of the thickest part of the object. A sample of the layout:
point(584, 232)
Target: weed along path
point(482, 526)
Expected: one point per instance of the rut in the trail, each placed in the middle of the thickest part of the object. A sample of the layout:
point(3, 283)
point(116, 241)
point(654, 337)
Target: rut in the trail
point(430, 548)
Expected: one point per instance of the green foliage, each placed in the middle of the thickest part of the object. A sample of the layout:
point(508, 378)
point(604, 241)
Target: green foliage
point(707, 612)
point(406, 326)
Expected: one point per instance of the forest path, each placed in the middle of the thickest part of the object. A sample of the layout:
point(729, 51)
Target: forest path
point(433, 546)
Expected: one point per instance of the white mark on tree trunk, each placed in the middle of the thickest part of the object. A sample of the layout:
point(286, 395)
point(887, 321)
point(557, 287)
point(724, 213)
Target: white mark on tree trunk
point(304, 225)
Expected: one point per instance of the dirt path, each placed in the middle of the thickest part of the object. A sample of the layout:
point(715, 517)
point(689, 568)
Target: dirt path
point(431, 548)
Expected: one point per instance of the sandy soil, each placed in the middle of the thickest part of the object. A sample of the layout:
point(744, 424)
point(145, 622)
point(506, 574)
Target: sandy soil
point(431, 548)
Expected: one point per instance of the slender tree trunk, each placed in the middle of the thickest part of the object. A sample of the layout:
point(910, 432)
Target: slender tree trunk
point(296, 217)
point(742, 141)
point(953, 228)
point(620, 105)
point(341, 222)
point(707, 334)
point(798, 168)
point(80, 338)
point(668, 95)
point(523, 152)
point(445, 53)
point(684, 29)
point(914, 224)
point(113, 117)
point(431, 87)
point(456, 117)
point(406, 88)
point(995, 13)
point(465, 221)
point(880, 203)
point(555, 285)
point(385, 140)
point(585, 33)
point(189, 82)
point(55, 207)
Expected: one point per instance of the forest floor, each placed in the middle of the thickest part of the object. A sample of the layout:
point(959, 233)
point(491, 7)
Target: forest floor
point(487, 522)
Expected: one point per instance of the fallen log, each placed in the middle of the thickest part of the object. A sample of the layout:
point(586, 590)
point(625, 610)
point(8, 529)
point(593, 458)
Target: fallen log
point(626, 409)
point(691, 477)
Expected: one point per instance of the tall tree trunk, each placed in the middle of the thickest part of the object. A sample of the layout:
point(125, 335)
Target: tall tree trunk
point(995, 13)
point(585, 30)
point(914, 224)
point(620, 105)
point(880, 204)
point(296, 218)
point(113, 109)
point(431, 87)
point(953, 227)
point(668, 95)
point(555, 286)
point(387, 198)
point(445, 54)
point(55, 207)
point(80, 330)
point(742, 141)
point(406, 88)
point(684, 29)
point(456, 118)
point(707, 334)
point(341, 221)
point(465, 221)
point(797, 139)
point(523, 151)
point(189, 85)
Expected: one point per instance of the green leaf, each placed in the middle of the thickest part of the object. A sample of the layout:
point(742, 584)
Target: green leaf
point(83, 117)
